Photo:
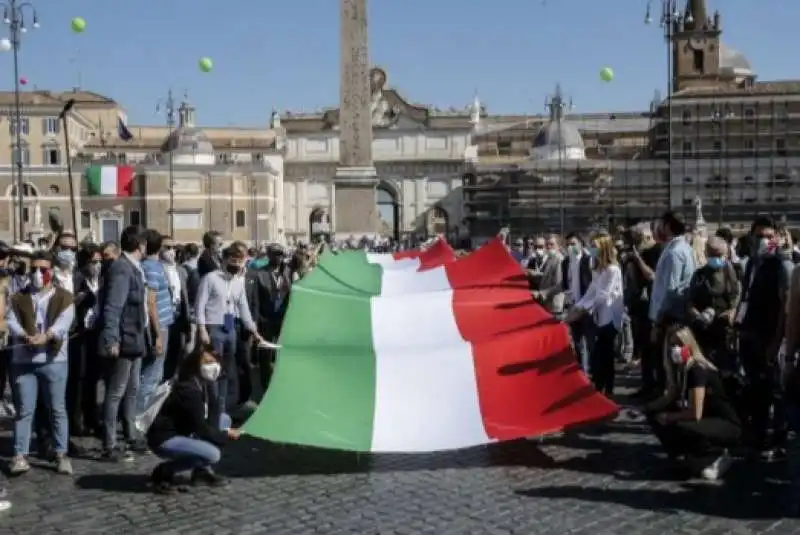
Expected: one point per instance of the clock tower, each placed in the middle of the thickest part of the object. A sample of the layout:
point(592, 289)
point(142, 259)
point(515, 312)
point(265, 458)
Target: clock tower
point(695, 46)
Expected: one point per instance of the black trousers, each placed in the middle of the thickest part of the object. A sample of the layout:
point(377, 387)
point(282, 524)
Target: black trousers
point(603, 358)
point(702, 439)
point(266, 357)
point(761, 390)
point(75, 384)
point(244, 367)
point(176, 349)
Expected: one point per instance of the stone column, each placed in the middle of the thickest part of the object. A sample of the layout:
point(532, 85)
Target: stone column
point(355, 208)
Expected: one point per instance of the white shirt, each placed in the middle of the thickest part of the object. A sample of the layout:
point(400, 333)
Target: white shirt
point(63, 280)
point(603, 298)
point(574, 277)
point(94, 312)
point(174, 281)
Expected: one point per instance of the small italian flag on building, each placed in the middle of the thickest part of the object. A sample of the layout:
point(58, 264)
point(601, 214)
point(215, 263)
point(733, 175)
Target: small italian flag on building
point(112, 180)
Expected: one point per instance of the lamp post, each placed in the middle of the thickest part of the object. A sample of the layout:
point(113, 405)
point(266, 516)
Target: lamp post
point(14, 17)
point(168, 105)
point(670, 21)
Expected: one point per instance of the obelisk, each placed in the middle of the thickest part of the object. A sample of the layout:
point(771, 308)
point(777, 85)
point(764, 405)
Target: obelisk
point(355, 210)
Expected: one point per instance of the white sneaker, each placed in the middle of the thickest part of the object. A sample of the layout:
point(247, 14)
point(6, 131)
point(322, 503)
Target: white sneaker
point(716, 469)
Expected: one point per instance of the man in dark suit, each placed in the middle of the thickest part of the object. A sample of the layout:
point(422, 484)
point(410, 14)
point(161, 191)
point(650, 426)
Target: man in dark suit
point(124, 337)
point(576, 277)
point(274, 282)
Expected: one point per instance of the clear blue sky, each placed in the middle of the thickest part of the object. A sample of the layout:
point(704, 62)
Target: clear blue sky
point(285, 53)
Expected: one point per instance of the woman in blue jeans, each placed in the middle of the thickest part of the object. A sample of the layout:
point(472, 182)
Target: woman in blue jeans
point(182, 433)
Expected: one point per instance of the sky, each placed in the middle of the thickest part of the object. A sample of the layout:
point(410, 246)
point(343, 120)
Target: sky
point(284, 54)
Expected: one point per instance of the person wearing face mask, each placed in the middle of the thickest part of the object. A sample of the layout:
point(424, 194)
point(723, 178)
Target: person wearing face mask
point(219, 299)
point(695, 420)
point(550, 293)
point(39, 322)
point(712, 299)
point(190, 431)
point(761, 319)
point(65, 249)
point(274, 285)
point(84, 364)
point(577, 276)
point(180, 330)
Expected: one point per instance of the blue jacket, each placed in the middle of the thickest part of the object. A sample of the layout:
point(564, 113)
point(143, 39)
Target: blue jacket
point(123, 309)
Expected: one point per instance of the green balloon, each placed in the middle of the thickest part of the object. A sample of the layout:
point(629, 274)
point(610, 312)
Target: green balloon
point(205, 64)
point(78, 25)
point(607, 74)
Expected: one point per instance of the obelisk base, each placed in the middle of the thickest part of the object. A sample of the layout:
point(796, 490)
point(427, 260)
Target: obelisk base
point(355, 210)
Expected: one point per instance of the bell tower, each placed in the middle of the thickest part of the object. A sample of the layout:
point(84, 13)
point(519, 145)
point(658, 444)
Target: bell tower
point(695, 47)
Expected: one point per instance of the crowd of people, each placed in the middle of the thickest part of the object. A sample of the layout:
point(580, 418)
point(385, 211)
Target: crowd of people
point(710, 320)
point(92, 331)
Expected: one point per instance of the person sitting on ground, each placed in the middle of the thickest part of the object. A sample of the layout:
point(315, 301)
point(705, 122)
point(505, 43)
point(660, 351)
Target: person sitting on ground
point(182, 434)
point(695, 421)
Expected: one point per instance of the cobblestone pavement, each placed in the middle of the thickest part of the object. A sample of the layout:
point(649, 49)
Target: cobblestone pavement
point(602, 481)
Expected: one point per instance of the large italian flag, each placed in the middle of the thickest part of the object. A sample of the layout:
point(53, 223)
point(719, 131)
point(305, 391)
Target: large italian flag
point(419, 353)
point(114, 180)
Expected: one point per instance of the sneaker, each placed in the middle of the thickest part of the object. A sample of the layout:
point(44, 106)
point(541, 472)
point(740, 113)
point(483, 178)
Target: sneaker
point(19, 465)
point(63, 465)
point(162, 483)
point(716, 469)
point(207, 477)
point(773, 455)
point(5, 505)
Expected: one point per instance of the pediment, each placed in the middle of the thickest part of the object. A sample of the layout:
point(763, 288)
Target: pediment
point(389, 109)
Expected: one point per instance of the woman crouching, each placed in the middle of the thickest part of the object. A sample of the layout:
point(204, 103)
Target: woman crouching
point(182, 433)
point(695, 421)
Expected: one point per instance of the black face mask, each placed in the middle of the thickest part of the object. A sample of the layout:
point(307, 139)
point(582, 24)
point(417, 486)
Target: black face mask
point(21, 269)
point(233, 269)
point(4, 273)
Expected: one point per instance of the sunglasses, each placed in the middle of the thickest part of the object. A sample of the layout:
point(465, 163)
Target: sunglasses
point(39, 269)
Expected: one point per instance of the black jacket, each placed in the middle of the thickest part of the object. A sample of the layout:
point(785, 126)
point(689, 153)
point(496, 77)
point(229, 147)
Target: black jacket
point(122, 305)
point(585, 271)
point(207, 262)
point(184, 414)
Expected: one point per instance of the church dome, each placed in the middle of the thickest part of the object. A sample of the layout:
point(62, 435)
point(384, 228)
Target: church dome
point(558, 138)
point(189, 146)
point(731, 61)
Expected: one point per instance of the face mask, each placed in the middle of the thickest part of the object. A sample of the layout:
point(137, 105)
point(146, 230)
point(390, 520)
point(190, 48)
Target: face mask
point(40, 279)
point(574, 250)
point(21, 269)
point(168, 256)
point(716, 262)
point(234, 269)
point(680, 355)
point(66, 257)
point(766, 246)
point(539, 252)
point(210, 372)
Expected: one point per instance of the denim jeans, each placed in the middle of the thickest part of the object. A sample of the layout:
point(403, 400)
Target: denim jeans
point(187, 453)
point(152, 371)
point(583, 332)
point(224, 343)
point(26, 379)
point(122, 384)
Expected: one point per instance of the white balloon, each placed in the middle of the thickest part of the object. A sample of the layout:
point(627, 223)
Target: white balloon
point(5, 45)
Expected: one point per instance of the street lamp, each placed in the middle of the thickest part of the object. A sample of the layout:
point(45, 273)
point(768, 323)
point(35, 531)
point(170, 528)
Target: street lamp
point(670, 21)
point(168, 105)
point(14, 17)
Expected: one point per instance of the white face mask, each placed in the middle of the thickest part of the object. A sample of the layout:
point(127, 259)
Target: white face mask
point(210, 372)
point(37, 280)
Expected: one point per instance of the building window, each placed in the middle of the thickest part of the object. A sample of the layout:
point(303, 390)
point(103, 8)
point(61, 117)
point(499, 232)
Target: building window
point(135, 218)
point(187, 220)
point(52, 156)
point(86, 219)
point(750, 116)
point(783, 114)
point(54, 189)
point(687, 148)
point(24, 155)
point(749, 146)
point(26, 214)
point(688, 180)
point(699, 60)
point(224, 158)
point(687, 116)
point(780, 147)
point(51, 126)
point(25, 123)
point(718, 147)
point(241, 219)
